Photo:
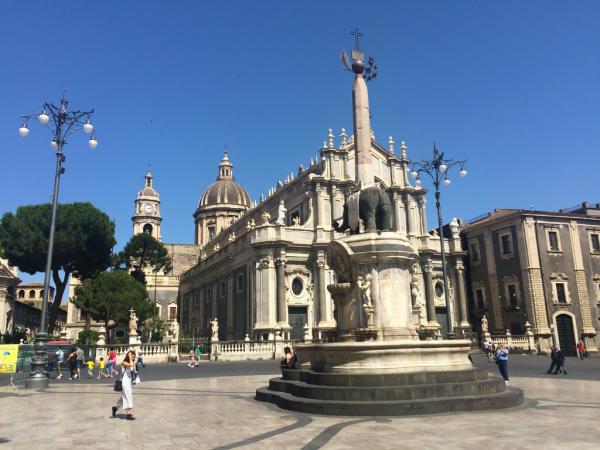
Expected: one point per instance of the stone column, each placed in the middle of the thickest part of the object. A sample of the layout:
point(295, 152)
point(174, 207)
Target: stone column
point(429, 297)
point(581, 285)
point(229, 329)
point(319, 206)
point(282, 320)
point(495, 307)
point(461, 291)
point(399, 214)
point(410, 227)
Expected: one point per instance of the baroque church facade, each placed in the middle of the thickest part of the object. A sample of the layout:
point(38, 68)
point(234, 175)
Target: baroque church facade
point(263, 268)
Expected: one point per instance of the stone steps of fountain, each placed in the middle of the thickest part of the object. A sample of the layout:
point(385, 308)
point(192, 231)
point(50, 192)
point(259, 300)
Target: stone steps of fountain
point(385, 379)
point(388, 393)
point(510, 397)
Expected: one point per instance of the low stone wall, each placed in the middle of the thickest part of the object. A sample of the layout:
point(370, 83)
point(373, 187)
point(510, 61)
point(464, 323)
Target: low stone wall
point(248, 350)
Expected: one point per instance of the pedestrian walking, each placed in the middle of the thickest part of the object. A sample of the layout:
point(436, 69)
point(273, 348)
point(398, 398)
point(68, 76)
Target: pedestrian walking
point(127, 372)
point(581, 350)
point(112, 362)
point(139, 359)
point(553, 359)
point(102, 372)
point(90, 365)
point(502, 361)
point(60, 358)
point(72, 361)
point(560, 363)
point(79, 358)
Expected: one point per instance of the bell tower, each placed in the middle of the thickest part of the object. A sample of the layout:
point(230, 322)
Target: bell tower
point(146, 218)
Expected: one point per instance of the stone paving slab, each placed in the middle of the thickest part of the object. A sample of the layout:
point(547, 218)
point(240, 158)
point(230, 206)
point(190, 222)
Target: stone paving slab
point(217, 412)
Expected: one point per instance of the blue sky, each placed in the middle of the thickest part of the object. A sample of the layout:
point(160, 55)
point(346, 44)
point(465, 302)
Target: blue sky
point(511, 86)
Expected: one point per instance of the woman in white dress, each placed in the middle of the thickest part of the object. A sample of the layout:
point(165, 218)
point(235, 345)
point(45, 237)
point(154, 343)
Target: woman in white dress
point(126, 400)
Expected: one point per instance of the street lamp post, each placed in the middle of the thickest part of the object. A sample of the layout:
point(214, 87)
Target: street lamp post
point(437, 168)
point(61, 123)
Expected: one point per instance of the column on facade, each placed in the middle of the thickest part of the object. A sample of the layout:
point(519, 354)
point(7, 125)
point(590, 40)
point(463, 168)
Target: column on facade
point(461, 291)
point(429, 297)
point(336, 203)
point(532, 279)
point(318, 209)
point(282, 319)
point(410, 213)
point(399, 213)
point(580, 283)
point(198, 294)
point(496, 306)
point(230, 325)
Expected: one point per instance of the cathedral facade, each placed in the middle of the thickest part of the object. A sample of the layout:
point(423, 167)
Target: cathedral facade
point(263, 268)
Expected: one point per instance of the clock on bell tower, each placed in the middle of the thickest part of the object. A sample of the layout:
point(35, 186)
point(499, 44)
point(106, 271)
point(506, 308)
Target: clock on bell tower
point(146, 218)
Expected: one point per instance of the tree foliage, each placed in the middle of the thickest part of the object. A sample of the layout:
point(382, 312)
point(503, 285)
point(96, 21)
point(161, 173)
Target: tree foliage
point(88, 336)
point(111, 295)
point(156, 329)
point(144, 252)
point(83, 243)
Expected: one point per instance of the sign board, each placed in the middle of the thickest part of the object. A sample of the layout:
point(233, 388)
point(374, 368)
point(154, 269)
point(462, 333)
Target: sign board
point(8, 358)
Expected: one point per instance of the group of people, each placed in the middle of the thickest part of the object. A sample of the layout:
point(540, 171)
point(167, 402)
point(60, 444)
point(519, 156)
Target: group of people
point(500, 353)
point(75, 360)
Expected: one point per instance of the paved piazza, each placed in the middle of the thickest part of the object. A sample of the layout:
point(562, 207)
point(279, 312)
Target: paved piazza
point(212, 407)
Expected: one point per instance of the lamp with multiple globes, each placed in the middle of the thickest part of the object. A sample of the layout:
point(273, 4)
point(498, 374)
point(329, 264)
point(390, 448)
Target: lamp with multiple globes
point(62, 123)
point(437, 169)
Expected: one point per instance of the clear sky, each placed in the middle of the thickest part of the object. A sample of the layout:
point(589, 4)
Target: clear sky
point(511, 86)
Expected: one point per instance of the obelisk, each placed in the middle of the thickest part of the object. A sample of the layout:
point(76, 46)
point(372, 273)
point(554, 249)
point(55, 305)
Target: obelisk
point(362, 125)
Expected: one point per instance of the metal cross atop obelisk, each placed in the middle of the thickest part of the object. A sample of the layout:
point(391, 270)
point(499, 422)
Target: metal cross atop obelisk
point(358, 59)
point(357, 35)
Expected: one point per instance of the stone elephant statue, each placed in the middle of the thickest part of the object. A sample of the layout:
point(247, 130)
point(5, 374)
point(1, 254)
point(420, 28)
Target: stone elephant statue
point(374, 209)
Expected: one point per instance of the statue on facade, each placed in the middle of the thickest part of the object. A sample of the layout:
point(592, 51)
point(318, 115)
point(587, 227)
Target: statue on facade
point(214, 328)
point(281, 213)
point(266, 217)
point(296, 221)
point(133, 322)
point(175, 330)
point(484, 324)
point(232, 237)
point(250, 225)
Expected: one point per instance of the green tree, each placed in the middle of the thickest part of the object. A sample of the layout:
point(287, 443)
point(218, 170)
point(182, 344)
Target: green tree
point(144, 252)
point(82, 244)
point(156, 329)
point(88, 336)
point(111, 295)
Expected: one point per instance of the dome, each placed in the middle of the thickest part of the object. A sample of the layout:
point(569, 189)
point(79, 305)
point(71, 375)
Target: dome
point(225, 191)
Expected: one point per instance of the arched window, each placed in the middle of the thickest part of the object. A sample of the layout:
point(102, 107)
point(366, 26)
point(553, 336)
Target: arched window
point(21, 293)
point(42, 293)
point(148, 228)
point(32, 293)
